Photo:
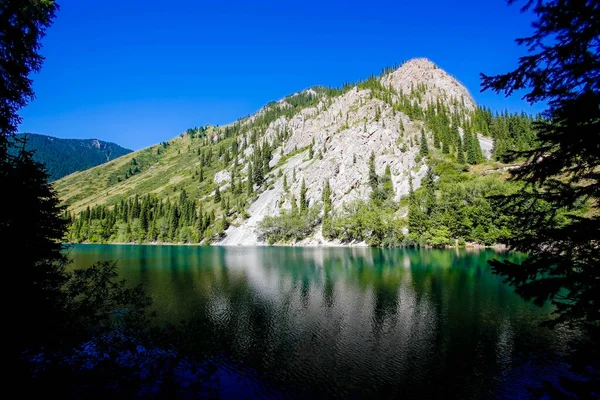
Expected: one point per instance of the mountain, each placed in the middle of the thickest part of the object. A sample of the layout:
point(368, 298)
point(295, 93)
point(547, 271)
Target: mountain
point(65, 156)
point(321, 166)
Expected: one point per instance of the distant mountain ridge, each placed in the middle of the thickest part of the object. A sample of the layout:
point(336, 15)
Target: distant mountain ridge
point(63, 157)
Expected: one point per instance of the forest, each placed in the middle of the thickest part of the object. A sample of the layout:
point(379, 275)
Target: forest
point(452, 208)
point(65, 156)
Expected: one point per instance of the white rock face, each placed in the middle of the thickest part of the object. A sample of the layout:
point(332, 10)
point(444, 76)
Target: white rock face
point(345, 131)
point(487, 145)
point(222, 177)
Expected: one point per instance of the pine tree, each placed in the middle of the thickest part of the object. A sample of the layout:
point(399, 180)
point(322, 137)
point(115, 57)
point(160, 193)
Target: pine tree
point(386, 182)
point(445, 147)
point(303, 199)
point(430, 198)
point(249, 187)
point(294, 205)
point(460, 156)
point(560, 174)
point(327, 198)
point(285, 183)
point(373, 179)
point(232, 184)
point(477, 148)
point(416, 218)
point(424, 151)
point(217, 198)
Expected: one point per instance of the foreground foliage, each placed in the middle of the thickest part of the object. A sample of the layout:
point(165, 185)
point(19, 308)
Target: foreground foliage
point(562, 173)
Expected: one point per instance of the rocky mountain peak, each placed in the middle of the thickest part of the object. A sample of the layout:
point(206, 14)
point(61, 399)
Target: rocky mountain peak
point(314, 138)
point(422, 75)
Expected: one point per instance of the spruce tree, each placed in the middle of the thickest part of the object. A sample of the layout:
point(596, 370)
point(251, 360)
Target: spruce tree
point(249, 187)
point(424, 151)
point(232, 184)
point(386, 182)
point(470, 148)
point(373, 179)
point(445, 147)
point(217, 198)
point(556, 213)
point(294, 210)
point(303, 199)
point(416, 218)
point(460, 157)
point(327, 198)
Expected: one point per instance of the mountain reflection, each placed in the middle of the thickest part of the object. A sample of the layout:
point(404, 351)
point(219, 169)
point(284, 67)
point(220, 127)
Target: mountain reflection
point(342, 321)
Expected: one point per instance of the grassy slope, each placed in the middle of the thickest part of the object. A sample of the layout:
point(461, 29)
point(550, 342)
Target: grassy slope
point(167, 173)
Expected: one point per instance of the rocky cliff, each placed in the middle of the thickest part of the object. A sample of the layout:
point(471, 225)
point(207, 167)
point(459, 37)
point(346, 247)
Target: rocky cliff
point(344, 131)
point(316, 136)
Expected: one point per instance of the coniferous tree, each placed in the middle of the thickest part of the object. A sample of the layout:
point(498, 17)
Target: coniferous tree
point(560, 175)
point(303, 199)
point(430, 198)
point(445, 147)
point(460, 156)
point(471, 151)
point(373, 178)
point(416, 218)
point(217, 198)
point(224, 223)
point(386, 182)
point(327, 198)
point(232, 184)
point(249, 185)
point(294, 205)
point(424, 151)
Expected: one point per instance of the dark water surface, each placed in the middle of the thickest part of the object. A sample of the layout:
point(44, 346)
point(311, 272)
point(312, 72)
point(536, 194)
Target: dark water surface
point(348, 322)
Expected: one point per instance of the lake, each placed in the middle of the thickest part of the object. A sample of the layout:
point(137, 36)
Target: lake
point(347, 322)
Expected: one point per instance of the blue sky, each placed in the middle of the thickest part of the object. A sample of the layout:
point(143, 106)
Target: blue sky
point(138, 72)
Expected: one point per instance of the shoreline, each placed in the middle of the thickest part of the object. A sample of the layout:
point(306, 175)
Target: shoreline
point(500, 246)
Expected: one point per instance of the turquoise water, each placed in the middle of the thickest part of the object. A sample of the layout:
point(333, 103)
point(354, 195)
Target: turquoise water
point(347, 322)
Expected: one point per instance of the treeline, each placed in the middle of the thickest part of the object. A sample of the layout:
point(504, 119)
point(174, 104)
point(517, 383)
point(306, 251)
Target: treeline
point(509, 131)
point(65, 156)
point(148, 219)
point(453, 207)
point(292, 225)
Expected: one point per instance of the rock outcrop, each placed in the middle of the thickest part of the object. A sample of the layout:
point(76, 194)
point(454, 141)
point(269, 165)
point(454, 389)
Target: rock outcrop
point(344, 131)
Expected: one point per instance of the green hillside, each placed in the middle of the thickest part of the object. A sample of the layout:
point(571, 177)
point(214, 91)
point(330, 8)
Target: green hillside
point(66, 156)
point(211, 182)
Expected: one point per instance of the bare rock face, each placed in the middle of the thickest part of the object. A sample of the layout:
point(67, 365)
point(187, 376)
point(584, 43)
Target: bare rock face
point(222, 177)
point(344, 131)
